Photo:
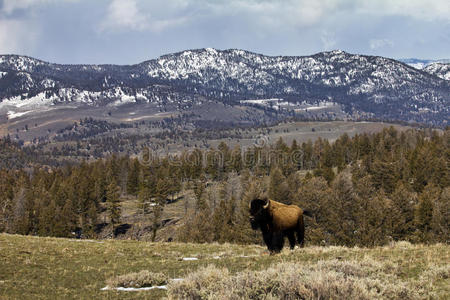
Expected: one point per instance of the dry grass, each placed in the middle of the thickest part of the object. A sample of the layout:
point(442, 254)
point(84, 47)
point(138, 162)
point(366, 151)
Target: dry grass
point(137, 280)
point(54, 268)
point(332, 279)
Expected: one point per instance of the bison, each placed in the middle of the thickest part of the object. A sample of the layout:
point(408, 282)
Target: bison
point(276, 221)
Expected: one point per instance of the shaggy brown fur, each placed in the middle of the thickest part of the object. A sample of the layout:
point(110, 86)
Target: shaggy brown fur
point(277, 220)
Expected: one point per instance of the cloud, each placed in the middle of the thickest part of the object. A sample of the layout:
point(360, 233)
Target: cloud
point(11, 6)
point(268, 15)
point(19, 29)
point(159, 15)
point(380, 43)
point(78, 30)
point(17, 36)
point(273, 12)
point(306, 12)
point(426, 10)
point(328, 40)
point(126, 15)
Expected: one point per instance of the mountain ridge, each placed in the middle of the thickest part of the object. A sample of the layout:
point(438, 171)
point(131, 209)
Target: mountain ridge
point(374, 86)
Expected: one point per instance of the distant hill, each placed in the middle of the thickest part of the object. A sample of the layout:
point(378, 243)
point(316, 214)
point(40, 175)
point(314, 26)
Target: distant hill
point(438, 67)
point(422, 63)
point(362, 86)
point(441, 70)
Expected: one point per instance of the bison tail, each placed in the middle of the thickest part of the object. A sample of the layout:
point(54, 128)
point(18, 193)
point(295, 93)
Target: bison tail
point(307, 213)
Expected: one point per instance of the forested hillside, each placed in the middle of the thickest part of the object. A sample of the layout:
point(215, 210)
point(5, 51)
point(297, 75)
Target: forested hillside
point(365, 190)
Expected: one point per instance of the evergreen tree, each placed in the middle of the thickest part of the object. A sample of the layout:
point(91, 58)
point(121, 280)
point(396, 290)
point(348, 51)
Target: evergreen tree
point(133, 178)
point(278, 188)
point(343, 210)
point(440, 222)
point(21, 222)
point(236, 159)
point(69, 218)
point(403, 201)
point(315, 195)
point(147, 189)
point(199, 189)
point(424, 211)
point(113, 204)
point(158, 208)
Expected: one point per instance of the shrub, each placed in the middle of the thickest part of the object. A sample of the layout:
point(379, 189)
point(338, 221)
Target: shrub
point(137, 280)
point(323, 280)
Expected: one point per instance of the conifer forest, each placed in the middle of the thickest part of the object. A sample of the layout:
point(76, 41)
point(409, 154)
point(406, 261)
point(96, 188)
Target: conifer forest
point(365, 190)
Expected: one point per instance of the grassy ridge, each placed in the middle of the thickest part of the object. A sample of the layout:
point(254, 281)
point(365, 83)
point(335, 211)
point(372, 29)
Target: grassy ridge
point(52, 268)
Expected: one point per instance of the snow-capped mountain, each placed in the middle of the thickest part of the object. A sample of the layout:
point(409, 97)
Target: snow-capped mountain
point(363, 85)
point(441, 70)
point(422, 63)
point(438, 67)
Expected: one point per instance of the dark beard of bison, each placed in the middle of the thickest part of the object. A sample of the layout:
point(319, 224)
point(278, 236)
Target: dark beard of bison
point(261, 220)
point(259, 216)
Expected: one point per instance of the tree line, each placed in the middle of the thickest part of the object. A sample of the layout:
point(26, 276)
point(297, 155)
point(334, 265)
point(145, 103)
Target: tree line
point(363, 190)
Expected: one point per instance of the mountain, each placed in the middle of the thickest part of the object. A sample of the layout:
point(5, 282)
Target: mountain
point(441, 70)
point(363, 86)
point(437, 67)
point(422, 63)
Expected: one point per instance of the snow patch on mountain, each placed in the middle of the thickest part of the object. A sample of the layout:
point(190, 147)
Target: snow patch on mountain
point(28, 102)
point(439, 69)
point(12, 115)
point(357, 83)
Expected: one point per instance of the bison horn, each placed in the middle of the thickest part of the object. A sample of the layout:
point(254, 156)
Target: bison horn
point(267, 204)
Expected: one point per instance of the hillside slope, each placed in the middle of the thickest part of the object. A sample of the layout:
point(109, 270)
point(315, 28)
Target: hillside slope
point(52, 268)
point(367, 86)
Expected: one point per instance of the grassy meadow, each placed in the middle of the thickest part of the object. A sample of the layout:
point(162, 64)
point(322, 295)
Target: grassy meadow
point(55, 268)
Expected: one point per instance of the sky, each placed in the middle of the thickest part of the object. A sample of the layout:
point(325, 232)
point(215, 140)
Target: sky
point(132, 31)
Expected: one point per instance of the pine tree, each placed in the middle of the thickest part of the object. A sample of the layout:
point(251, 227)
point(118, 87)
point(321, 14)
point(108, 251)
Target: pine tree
point(133, 178)
point(199, 189)
point(218, 220)
point(158, 208)
point(373, 223)
point(100, 183)
point(403, 201)
point(308, 161)
point(343, 210)
point(46, 216)
point(69, 218)
point(236, 158)
point(225, 153)
point(21, 218)
point(147, 188)
point(113, 204)
point(315, 195)
point(278, 188)
point(440, 222)
point(424, 211)
point(6, 200)
point(326, 172)
point(384, 174)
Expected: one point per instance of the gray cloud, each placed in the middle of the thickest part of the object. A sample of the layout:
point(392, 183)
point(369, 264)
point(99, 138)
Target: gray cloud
point(380, 43)
point(111, 31)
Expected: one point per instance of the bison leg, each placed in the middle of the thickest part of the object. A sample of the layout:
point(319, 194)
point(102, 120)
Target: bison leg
point(277, 241)
point(301, 232)
point(291, 237)
point(267, 237)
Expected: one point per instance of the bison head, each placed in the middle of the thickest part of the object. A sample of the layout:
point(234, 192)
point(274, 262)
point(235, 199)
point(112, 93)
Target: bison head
point(259, 212)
